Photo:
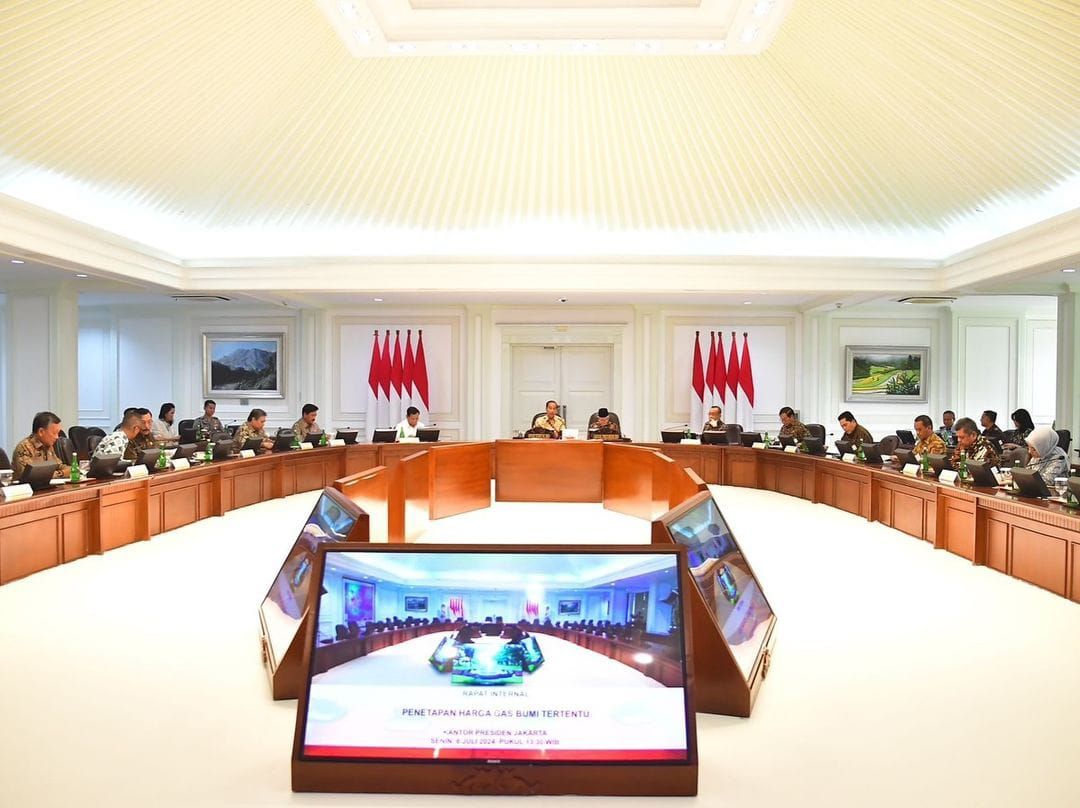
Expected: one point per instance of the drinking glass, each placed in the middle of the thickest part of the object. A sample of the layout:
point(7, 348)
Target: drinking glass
point(1061, 485)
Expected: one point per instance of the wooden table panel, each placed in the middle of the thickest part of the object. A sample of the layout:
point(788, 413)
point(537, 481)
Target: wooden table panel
point(123, 515)
point(628, 480)
point(1074, 575)
point(460, 478)
point(180, 506)
point(416, 487)
point(1039, 559)
point(549, 471)
point(75, 527)
point(370, 491)
point(956, 524)
point(29, 547)
point(997, 543)
point(908, 514)
point(359, 457)
point(740, 467)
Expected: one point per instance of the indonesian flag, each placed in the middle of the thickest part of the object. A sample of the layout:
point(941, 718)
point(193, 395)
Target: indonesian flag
point(710, 372)
point(532, 608)
point(697, 388)
point(732, 394)
point(420, 380)
point(396, 372)
point(384, 384)
point(720, 374)
point(372, 411)
point(746, 386)
point(407, 373)
point(457, 607)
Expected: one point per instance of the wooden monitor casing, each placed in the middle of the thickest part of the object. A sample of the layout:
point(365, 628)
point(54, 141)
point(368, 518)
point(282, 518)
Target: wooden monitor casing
point(720, 685)
point(437, 777)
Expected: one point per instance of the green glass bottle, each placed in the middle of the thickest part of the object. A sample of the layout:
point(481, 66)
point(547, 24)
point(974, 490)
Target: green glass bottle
point(963, 469)
point(76, 472)
point(925, 463)
point(208, 456)
point(322, 440)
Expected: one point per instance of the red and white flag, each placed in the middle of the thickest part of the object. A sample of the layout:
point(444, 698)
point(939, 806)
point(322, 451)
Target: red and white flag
point(420, 380)
point(457, 606)
point(397, 368)
point(710, 373)
point(384, 384)
point(720, 375)
point(407, 392)
point(732, 394)
point(697, 388)
point(746, 387)
point(372, 412)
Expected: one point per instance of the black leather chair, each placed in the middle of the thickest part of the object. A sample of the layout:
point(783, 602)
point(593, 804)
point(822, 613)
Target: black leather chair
point(733, 434)
point(340, 632)
point(78, 435)
point(5, 461)
point(92, 442)
point(1064, 439)
point(186, 423)
point(187, 434)
point(95, 430)
point(888, 444)
point(816, 431)
point(65, 450)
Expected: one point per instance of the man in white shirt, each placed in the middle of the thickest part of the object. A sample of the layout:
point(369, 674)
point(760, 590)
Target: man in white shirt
point(408, 427)
point(117, 442)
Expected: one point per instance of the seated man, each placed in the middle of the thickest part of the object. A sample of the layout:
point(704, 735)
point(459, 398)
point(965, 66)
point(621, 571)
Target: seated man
point(715, 422)
point(40, 446)
point(206, 424)
point(255, 427)
point(306, 424)
point(127, 411)
point(946, 431)
point(972, 445)
point(165, 429)
point(792, 427)
point(990, 427)
point(550, 421)
point(603, 423)
point(116, 443)
point(145, 438)
point(927, 441)
point(853, 430)
point(407, 427)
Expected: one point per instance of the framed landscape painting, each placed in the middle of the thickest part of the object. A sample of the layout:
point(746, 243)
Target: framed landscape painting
point(243, 365)
point(876, 373)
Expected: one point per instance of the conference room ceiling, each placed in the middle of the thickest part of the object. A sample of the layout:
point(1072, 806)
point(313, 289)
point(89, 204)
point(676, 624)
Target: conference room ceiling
point(203, 131)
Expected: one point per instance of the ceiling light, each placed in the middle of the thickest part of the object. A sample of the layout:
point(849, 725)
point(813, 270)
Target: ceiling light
point(1068, 270)
point(649, 47)
point(377, 299)
point(762, 7)
point(402, 47)
point(81, 275)
point(348, 10)
point(712, 47)
point(748, 303)
point(17, 261)
point(750, 34)
point(642, 658)
point(363, 36)
point(524, 47)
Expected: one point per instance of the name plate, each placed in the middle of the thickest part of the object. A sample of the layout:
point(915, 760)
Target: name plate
point(949, 476)
point(691, 441)
point(180, 463)
point(247, 452)
point(850, 458)
point(336, 442)
point(408, 440)
point(911, 470)
point(305, 446)
point(13, 493)
point(137, 472)
point(759, 445)
point(791, 449)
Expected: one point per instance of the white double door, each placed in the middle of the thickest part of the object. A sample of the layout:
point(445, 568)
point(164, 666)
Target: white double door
point(579, 377)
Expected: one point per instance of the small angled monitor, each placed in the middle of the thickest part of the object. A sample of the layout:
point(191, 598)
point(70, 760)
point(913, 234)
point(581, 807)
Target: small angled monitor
point(148, 458)
point(427, 434)
point(347, 435)
point(103, 467)
point(788, 440)
point(672, 435)
point(185, 451)
point(1029, 483)
point(904, 457)
point(714, 437)
point(750, 438)
point(907, 437)
point(494, 695)
point(251, 445)
point(982, 474)
point(223, 449)
point(940, 463)
point(314, 437)
point(1074, 487)
point(844, 447)
point(872, 451)
point(388, 435)
point(334, 518)
point(815, 446)
point(39, 475)
point(284, 443)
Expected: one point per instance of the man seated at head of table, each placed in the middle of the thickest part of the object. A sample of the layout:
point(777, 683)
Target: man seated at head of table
point(164, 429)
point(854, 432)
point(407, 428)
point(254, 427)
point(972, 445)
point(206, 424)
point(715, 422)
point(39, 446)
point(550, 421)
point(603, 424)
point(306, 425)
point(792, 427)
point(116, 443)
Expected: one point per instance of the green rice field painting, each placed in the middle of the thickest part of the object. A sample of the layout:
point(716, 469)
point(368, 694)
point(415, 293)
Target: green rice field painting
point(886, 374)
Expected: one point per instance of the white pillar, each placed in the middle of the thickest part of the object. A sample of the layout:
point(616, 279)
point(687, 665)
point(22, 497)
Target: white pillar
point(1068, 364)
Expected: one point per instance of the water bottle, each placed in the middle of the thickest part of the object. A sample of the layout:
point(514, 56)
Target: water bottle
point(76, 473)
point(401, 433)
point(925, 462)
point(208, 456)
point(162, 461)
point(963, 466)
point(322, 440)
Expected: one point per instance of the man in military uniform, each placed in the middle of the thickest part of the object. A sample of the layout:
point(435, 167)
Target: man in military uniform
point(792, 427)
point(854, 432)
point(928, 442)
point(715, 422)
point(145, 438)
point(973, 445)
point(946, 431)
point(551, 420)
point(116, 443)
point(306, 424)
point(990, 428)
point(255, 427)
point(207, 424)
point(40, 446)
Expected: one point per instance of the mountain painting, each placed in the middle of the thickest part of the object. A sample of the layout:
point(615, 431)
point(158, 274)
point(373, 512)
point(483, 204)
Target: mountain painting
point(886, 374)
point(243, 366)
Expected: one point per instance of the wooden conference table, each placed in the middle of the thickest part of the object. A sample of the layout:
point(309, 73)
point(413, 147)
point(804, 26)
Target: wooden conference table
point(1035, 541)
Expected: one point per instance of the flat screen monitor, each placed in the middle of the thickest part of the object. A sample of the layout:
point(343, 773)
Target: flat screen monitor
point(149, 458)
point(907, 437)
point(672, 435)
point(1029, 483)
point(332, 519)
point(750, 438)
point(872, 452)
point(905, 456)
point(284, 443)
point(427, 434)
point(714, 437)
point(724, 578)
point(185, 451)
point(482, 683)
point(39, 475)
point(347, 435)
point(787, 440)
point(388, 435)
point(253, 445)
point(223, 448)
point(815, 446)
point(939, 463)
point(844, 447)
point(103, 467)
point(982, 474)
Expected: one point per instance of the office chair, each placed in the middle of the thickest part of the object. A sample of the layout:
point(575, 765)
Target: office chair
point(733, 433)
point(95, 430)
point(888, 444)
point(92, 443)
point(5, 461)
point(1064, 439)
point(340, 632)
point(78, 435)
point(1011, 457)
point(185, 423)
point(816, 431)
point(64, 449)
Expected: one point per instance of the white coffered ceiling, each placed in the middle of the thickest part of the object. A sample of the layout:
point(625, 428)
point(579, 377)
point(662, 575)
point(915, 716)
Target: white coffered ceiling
point(201, 144)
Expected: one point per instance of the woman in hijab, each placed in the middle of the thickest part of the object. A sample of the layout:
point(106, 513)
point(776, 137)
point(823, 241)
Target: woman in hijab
point(1047, 457)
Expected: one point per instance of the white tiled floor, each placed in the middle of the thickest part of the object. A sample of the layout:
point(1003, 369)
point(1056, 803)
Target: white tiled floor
point(902, 676)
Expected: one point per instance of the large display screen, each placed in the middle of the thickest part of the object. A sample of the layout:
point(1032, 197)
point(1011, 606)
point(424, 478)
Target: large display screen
point(489, 670)
point(283, 607)
point(725, 579)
